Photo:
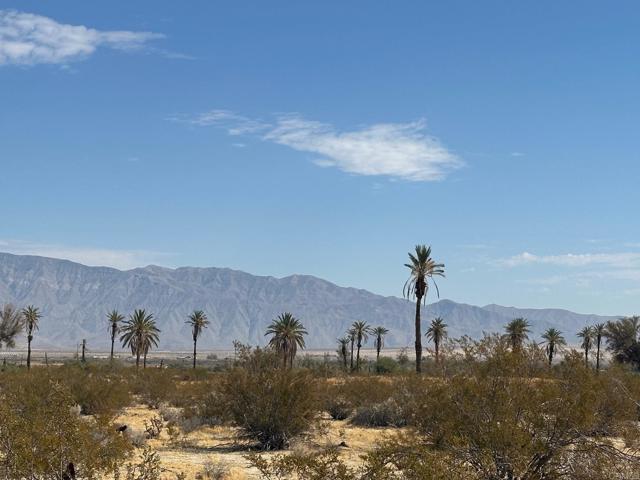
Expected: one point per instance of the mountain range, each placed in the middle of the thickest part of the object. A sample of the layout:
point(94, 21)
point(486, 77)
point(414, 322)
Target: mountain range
point(75, 299)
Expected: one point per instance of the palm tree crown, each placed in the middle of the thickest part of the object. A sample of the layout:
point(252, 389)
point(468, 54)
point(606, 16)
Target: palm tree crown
point(379, 333)
point(422, 269)
point(587, 341)
point(553, 339)
point(361, 331)
point(140, 334)
point(114, 318)
point(198, 321)
point(517, 331)
point(10, 325)
point(436, 333)
point(31, 316)
point(287, 335)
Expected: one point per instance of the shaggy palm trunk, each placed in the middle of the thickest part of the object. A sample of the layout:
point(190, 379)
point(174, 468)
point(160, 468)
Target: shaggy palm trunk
point(586, 357)
point(418, 336)
point(113, 340)
point(195, 342)
point(599, 339)
point(550, 353)
point(352, 342)
point(378, 346)
point(436, 343)
point(29, 338)
point(144, 361)
point(137, 360)
point(358, 355)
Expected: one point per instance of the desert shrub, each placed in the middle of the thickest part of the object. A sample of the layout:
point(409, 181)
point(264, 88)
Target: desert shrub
point(270, 404)
point(386, 365)
point(148, 468)
point(338, 408)
point(324, 465)
point(154, 386)
point(40, 434)
point(214, 471)
point(96, 391)
point(384, 414)
point(501, 419)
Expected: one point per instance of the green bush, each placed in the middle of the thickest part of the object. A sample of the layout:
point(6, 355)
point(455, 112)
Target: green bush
point(270, 405)
point(385, 414)
point(40, 434)
point(386, 365)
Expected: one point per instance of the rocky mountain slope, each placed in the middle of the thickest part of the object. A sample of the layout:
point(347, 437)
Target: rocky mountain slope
point(75, 300)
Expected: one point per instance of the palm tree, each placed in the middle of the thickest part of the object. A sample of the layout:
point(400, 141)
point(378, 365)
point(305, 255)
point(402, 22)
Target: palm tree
point(436, 333)
point(114, 326)
point(11, 325)
point(287, 334)
point(351, 335)
point(586, 334)
point(198, 321)
point(423, 268)
point(361, 332)
point(599, 331)
point(140, 334)
point(379, 333)
point(343, 350)
point(31, 316)
point(553, 339)
point(517, 331)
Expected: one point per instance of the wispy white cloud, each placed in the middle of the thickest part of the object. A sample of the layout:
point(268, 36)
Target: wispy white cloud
point(121, 259)
point(618, 260)
point(396, 150)
point(30, 39)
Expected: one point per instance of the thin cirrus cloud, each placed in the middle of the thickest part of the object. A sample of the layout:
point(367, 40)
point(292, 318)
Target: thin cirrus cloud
point(396, 150)
point(120, 259)
point(30, 39)
point(616, 260)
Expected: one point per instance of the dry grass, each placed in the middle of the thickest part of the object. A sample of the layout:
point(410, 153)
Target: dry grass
point(220, 445)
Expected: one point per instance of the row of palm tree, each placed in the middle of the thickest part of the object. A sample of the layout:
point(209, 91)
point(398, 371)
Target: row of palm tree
point(13, 321)
point(140, 332)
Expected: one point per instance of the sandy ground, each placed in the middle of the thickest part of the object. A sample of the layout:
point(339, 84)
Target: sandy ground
point(221, 446)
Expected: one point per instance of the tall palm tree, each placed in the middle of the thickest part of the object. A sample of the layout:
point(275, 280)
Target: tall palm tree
point(423, 268)
point(343, 350)
point(436, 333)
point(198, 321)
point(599, 331)
point(553, 339)
point(140, 333)
point(586, 334)
point(287, 334)
point(379, 333)
point(361, 332)
point(114, 318)
point(517, 331)
point(351, 335)
point(11, 325)
point(31, 317)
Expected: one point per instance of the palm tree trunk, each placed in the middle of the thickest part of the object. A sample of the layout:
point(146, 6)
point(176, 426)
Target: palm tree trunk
point(358, 357)
point(550, 354)
point(436, 343)
point(137, 361)
point(352, 356)
point(195, 341)
point(418, 336)
point(144, 361)
point(378, 351)
point(598, 355)
point(586, 357)
point(29, 338)
point(113, 339)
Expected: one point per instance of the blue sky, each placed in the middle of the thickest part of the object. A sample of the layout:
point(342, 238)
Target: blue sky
point(328, 138)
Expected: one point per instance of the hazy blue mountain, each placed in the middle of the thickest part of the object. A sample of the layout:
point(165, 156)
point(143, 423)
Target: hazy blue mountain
point(75, 299)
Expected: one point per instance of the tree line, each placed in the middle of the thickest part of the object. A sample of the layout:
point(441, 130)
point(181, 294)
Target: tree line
point(139, 332)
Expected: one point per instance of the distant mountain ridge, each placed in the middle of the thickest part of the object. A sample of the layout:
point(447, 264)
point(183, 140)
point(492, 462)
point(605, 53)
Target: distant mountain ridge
point(75, 299)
